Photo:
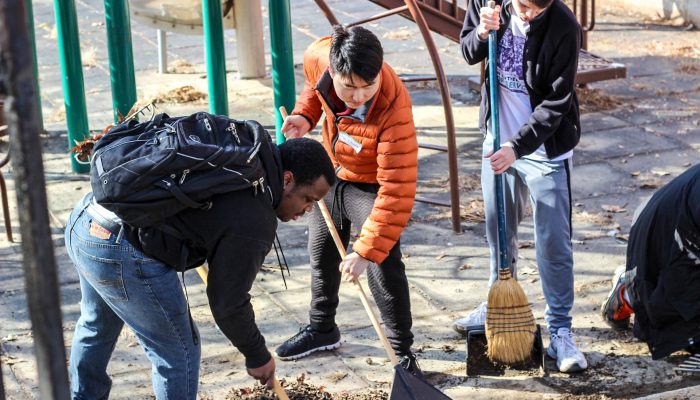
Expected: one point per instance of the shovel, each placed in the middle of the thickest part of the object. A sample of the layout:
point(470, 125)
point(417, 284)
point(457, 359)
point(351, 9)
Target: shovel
point(203, 272)
point(405, 386)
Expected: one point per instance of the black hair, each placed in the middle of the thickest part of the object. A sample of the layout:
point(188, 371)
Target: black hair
point(357, 51)
point(542, 3)
point(307, 160)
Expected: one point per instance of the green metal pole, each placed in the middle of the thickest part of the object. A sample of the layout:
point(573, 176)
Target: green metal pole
point(32, 38)
point(215, 56)
point(121, 57)
point(282, 60)
point(72, 72)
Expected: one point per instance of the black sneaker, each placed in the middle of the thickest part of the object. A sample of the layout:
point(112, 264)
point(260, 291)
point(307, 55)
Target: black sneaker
point(410, 364)
point(308, 341)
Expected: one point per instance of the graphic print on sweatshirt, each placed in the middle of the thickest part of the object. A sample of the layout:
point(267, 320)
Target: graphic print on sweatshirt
point(514, 102)
point(510, 62)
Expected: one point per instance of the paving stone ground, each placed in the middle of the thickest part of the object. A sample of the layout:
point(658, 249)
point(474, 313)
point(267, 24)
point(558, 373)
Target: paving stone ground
point(652, 135)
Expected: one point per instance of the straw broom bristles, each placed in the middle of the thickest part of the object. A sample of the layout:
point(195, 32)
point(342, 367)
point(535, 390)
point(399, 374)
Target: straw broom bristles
point(510, 324)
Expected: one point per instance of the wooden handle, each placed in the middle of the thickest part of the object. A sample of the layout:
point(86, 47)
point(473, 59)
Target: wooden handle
point(358, 286)
point(492, 4)
point(279, 390)
point(203, 272)
point(283, 112)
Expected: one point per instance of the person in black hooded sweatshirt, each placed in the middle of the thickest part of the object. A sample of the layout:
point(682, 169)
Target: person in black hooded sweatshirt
point(660, 283)
point(127, 275)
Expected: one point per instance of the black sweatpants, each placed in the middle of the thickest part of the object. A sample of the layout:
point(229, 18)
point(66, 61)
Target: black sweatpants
point(350, 204)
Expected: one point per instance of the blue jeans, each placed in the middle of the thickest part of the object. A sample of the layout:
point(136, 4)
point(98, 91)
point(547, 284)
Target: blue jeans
point(120, 285)
point(546, 184)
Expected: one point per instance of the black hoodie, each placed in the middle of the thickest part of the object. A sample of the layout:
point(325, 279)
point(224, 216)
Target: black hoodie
point(550, 63)
point(234, 236)
point(664, 247)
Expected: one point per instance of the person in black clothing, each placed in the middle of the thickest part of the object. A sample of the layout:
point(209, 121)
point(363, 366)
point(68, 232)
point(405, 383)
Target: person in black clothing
point(127, 275)
point(660, 283)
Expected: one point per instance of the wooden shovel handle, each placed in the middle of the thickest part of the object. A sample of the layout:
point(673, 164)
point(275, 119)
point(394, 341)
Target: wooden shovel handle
point(203, 272)
point(358, 286)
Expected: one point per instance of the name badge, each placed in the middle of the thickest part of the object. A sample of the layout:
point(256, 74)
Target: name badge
point(347, 139)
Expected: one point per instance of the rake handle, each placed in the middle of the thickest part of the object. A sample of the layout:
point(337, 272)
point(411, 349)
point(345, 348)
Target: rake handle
point(363, 297)
point(203, 272)
point(503, 263)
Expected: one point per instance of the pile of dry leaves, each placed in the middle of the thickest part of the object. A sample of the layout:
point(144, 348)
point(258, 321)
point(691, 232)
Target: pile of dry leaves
point(301, 390)
point(183, 94)
point(593, 100)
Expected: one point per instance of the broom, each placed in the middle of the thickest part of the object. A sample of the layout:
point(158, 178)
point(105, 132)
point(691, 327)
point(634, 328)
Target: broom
point(510, 324)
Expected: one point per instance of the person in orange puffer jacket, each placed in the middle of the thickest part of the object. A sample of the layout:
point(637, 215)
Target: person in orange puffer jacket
point(369, 134)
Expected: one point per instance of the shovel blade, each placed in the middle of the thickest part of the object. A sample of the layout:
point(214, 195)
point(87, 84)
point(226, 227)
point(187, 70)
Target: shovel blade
point(408, 387)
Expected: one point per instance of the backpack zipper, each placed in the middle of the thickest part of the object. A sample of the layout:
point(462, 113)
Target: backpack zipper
point(234, 132)
point(255, 188)
point(184, 175)
point(207, 124)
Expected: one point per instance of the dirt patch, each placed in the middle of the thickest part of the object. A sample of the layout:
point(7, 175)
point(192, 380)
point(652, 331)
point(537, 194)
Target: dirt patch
point(302, 390)
point(619, 368)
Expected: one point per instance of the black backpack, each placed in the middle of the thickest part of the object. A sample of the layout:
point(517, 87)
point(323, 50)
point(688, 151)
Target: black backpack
point(146, 172)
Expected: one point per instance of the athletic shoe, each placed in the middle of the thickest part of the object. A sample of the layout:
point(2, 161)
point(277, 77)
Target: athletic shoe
point(615, 309)
point(410, 364)
point(308, 341)
point(475, 318)
point(563, 349)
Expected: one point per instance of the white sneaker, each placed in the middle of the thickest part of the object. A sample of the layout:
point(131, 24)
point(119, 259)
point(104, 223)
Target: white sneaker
point(563, 349)
point(475, 318)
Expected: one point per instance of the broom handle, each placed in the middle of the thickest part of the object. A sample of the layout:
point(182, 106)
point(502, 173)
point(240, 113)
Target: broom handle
point(203, 272)
point(358, 286)
point(503, 263)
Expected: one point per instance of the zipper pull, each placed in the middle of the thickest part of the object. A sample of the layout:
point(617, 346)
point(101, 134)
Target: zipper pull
point(234, 132)
point(207, 125)
point(184, 175)
point(255, 188)
point(262, 186)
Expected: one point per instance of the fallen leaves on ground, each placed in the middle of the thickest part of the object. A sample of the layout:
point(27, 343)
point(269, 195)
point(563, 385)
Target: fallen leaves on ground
point(183, 94)
point(89, 57)
point(613, 208)
point(592, 100)
point(466, 182)
point(593, 218)
point(691, 68)
point(299, 389)
point(181, 67)
point(59, 115)
point(465, 266)
point(398, 34)
point(474, 211)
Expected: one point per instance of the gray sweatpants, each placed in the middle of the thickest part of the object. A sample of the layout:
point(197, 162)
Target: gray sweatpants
point(548, 185)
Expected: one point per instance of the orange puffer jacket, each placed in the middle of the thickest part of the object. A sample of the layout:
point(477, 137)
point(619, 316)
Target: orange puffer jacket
point(389, 154)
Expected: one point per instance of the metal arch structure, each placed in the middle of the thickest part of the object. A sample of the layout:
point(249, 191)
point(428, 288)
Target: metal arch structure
point(415, 9)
